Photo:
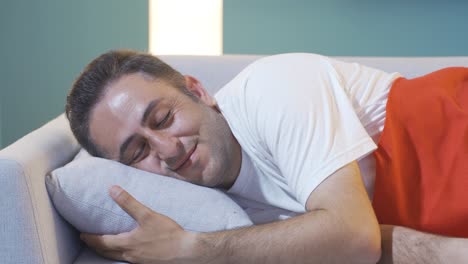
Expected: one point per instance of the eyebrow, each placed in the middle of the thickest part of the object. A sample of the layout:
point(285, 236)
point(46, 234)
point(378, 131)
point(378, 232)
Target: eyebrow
point(144, 119)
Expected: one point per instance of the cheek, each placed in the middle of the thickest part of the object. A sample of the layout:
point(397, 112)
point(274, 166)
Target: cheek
point(105, 137)
point(150, 165)
point(216, 129)
point(184, 125)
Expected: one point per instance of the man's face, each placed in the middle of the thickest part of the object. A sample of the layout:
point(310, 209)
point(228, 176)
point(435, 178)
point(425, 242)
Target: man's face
point(151, 125)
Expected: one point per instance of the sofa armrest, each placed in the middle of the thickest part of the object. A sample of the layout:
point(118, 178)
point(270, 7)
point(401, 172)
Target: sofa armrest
point(31, 230)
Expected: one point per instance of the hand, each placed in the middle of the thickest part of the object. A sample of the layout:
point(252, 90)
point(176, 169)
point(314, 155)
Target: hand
point(156, 239)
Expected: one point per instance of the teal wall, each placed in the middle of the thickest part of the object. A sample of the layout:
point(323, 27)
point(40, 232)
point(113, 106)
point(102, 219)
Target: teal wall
point(45, 44)
point(343, 27)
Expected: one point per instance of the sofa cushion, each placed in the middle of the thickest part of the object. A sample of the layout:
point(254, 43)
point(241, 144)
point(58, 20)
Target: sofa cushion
point(79, 192)
point(87, 256)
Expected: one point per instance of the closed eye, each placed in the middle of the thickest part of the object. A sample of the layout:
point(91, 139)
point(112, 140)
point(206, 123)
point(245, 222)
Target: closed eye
point(141, 150)
point(164, 121)
point(138, 153)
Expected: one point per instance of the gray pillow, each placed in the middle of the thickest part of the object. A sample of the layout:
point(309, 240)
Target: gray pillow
point(79, 192)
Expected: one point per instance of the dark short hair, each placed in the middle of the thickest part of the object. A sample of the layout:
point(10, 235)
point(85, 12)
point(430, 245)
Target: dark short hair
point(90, 86)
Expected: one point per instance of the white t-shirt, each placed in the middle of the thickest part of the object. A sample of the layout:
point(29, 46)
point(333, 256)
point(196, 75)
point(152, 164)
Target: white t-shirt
point(298, 119)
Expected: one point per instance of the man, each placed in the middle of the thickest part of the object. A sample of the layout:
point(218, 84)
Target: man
point(287, 131)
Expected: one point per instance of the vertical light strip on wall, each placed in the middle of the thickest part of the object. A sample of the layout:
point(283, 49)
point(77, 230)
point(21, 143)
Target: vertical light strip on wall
point(186, 27)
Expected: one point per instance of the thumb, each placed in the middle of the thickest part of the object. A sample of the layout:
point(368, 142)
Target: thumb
point(128, 203)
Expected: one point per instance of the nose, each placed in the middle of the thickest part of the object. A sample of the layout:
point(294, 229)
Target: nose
point(166, 147)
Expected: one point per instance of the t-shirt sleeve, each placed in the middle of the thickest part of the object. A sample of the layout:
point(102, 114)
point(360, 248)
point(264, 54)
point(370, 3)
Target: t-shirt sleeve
point(300, 110)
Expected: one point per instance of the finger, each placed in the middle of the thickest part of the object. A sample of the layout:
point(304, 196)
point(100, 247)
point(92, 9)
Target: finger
point(104, 242)
point(129, 204)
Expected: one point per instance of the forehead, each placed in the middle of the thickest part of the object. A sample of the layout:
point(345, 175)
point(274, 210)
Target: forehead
point(138, 85)
point(118, 114)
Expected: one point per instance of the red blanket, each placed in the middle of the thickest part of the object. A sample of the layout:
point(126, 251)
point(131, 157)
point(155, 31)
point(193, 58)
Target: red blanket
point(422, 156)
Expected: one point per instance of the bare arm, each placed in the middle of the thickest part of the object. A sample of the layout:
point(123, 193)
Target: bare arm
point(339, 227)
point(403, 245)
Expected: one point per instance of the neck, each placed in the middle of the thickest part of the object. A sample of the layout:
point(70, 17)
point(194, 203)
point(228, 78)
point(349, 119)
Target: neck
point(236, 165)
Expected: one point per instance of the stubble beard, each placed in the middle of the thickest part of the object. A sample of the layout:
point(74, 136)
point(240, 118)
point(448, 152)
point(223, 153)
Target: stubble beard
point(220, 170)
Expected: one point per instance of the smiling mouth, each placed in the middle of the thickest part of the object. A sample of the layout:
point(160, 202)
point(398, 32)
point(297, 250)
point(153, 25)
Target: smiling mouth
point(186, 158)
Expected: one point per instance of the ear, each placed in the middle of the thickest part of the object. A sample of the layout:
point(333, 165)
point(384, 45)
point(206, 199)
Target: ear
point(196, 88)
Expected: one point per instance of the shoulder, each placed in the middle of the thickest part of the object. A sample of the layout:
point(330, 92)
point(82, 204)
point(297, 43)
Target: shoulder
point(292, 78)
point(281, 83)
point(292, 86)
point(282, 65)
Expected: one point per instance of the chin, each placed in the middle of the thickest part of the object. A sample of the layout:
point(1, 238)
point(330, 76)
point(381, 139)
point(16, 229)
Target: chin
point(209, 182)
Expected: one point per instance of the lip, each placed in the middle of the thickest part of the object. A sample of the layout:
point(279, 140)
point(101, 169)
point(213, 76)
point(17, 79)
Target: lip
point(186, 158)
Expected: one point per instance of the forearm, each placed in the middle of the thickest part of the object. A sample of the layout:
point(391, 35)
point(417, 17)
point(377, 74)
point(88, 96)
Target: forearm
point(288, 241)
point(403, 245)
point(339, 227)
